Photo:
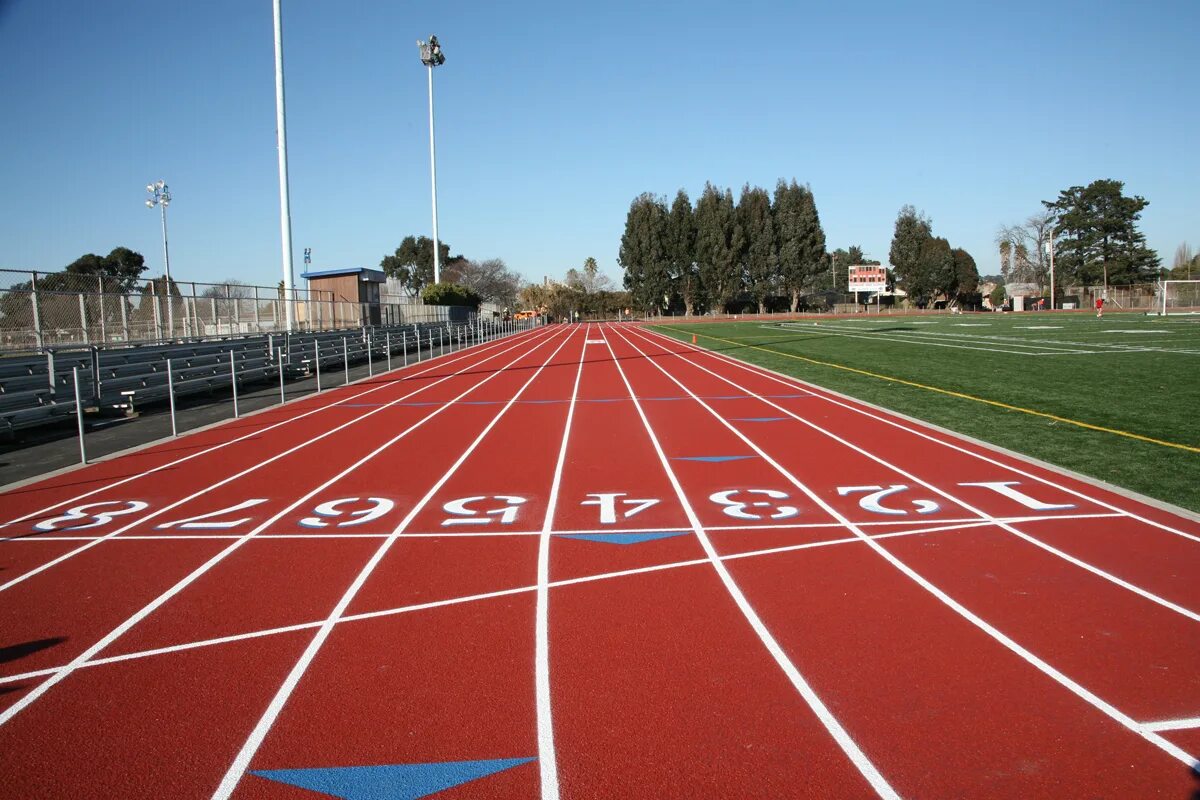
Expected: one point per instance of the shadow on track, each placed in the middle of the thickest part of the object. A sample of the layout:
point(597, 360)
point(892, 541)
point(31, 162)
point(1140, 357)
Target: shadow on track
point(15, 652)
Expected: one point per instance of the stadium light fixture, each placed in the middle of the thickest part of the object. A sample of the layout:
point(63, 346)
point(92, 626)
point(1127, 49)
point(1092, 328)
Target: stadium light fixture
point(432, 56)
point(1050, 251)
point(161, 197)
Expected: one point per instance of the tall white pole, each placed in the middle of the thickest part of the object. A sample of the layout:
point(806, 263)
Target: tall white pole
point(167, 271)
point(433, 179)
point(285, 213)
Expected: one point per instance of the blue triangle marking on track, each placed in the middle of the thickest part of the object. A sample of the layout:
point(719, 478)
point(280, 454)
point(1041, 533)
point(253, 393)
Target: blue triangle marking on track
point(710, 459)
point(623, 538)
point(758, 419)
point(389, 781)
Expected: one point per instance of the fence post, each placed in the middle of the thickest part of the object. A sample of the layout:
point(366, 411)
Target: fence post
point(83, 322)
point(103, 325)
point(233, 382)
point(171, 397)
point(79, 415)
point(370, 361)
point(404, 345)
point(158, 333)
point(257, 313)
point(317, 360)
point(37, 315)
point(125, 316)
point(387, 336)
point(279, 357)
point(417, 336)
point(346, 358)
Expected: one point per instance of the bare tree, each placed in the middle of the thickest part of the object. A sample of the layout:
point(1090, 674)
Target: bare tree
point(1185, 262)
point(1023, 257)
point(491, 279)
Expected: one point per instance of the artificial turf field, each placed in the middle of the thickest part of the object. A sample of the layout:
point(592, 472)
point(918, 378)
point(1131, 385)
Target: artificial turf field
point(1113, 398)
point(591, 561)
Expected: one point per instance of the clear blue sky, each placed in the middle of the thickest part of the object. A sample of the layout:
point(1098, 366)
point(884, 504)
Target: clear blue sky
point(552, 117)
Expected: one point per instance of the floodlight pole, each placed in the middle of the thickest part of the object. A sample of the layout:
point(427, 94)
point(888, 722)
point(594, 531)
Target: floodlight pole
point(432, 56)
point(161, 197)
point(285, 214)
point(1051, 267)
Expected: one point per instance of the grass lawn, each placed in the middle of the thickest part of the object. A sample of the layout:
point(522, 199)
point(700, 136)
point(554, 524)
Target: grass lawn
point(1123, 389)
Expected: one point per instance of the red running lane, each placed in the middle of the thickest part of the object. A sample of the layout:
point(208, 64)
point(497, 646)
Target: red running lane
point(937, 667)
point(186, 692)
point(660, 687)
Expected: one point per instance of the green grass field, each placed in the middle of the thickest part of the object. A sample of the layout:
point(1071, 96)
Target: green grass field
point(1113, 398)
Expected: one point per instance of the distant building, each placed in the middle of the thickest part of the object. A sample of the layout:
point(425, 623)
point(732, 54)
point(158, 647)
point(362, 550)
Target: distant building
point(346, 298)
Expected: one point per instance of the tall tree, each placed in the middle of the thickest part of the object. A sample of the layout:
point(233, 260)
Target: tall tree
point(681, 252)
point(933, 272)
point(412, 263)
point(490, 279)
point(759, 258)
point(911, 233)
point(966, 274)
point(791, 241)
point(719, 243)
point(643, 253)
point(1098, 237)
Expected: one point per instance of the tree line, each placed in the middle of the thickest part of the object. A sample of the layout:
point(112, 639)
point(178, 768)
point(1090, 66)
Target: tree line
point(463, 281)
point(763, 251)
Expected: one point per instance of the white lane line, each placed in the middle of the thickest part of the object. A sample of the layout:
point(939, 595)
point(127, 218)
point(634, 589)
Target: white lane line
point(233, 478)
point(1043, 666)
point(387, 612)
point(949, 522)
point(1172, 724)
point(257, 432)
point(833, 399)
point(1078, 562)
point(547, 755)
point(241, 761)
point(155, 604)
point(835, 729)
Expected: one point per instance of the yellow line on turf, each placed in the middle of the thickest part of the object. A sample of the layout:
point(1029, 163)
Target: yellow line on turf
point(959, 395)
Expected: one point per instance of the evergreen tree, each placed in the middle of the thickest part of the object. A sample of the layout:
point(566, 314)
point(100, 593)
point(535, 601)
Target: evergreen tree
point(412, 263)
point(681, 246)
point(644, 253)
point(1098, 239)
point(758, 256)
point(934, 272)
point(966, 274)
point(719, 241)
point(790, 239)
point(912, 234)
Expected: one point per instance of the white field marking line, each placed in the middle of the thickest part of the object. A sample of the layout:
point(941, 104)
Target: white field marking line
point(1078, 562)
point(795, 383)
point(868, 770)
point(832, 331)
point(547, 756)
point(567, 531)
point(388, 612)
point(242, 760)
point(1003, 339)
point(1172, 724)
point(121, 629)
point(1075, 688)
point(189, 457)
point(153, 514)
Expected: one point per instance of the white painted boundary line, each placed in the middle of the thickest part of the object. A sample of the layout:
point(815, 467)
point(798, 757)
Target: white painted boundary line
point(466, 354)
point(1172, 724)
point(547, 755)
point(830, 330)
point(158, 602)
point(1075, 688)
point(835, 729)
point(1078, 562)
point(244, 756)
point(232, 478)
point(388, 612)
point(859, 407)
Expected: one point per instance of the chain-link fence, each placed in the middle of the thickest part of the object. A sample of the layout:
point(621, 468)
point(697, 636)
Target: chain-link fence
point(39, 310)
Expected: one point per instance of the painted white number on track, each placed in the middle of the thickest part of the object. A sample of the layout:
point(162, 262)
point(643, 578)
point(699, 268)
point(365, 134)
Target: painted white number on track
point(608, 505)
point(379, 507)
point(874, 501)
point(90, 511)
point(1006, 488)
point(740, 510)
point(506, 514)
point(208, 522)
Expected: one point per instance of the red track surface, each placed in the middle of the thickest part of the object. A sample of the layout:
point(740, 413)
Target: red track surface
point(638, 568)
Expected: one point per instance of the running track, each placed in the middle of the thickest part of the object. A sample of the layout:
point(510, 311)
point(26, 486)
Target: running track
point(591, 562)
